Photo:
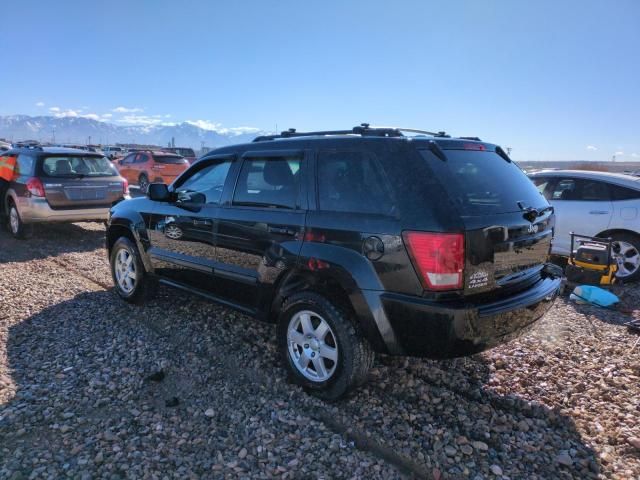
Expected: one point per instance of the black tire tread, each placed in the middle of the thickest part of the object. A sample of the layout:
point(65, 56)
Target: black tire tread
point(362, 357)
point(146, 287)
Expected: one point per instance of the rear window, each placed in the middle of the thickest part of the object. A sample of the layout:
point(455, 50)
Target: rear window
point(76, 166)
point(482, 182)
point(354, 182)
point(173, 159)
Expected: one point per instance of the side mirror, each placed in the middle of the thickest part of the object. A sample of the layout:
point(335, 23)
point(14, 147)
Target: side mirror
point(158, 192)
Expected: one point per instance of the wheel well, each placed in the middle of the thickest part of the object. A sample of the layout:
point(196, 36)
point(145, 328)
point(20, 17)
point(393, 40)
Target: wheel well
point(614, 231)
point(115, 232)
point(304, 281)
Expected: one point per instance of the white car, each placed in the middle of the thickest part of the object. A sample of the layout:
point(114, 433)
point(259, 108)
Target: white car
point(598, 204)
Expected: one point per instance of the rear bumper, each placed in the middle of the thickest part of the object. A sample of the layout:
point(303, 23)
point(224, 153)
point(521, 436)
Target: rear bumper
point(37, 210)
point(416, 327)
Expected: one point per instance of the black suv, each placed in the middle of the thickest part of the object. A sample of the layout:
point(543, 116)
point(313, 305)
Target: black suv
point(353, 242)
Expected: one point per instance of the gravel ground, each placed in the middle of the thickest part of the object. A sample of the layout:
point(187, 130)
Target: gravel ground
point(77, 400)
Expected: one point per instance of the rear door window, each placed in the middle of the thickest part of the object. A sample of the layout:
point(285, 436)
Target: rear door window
point(272, 182)
point(482, 182)
point(354, 182)
point(576, 189)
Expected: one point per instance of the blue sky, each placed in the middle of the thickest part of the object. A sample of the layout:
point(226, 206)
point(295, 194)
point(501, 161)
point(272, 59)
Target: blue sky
point(550, 79)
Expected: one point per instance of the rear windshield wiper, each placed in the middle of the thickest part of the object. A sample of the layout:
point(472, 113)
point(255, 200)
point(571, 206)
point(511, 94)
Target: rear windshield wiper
point(531, 213)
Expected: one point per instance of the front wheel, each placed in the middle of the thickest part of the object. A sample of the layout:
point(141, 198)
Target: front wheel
point(626, 252)
point(322, 347)
point(130, 278)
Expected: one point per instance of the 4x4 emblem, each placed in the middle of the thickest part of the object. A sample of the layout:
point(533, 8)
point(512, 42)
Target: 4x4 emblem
point(532, 228)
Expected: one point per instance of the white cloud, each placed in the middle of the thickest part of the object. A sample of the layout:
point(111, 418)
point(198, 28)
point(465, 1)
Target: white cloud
point(591, 147)
point(619, 153)
point(127, 110)
point(218, 128)
point(107, 115)
point(40, 104)
point(635, 155)
point(65, 113)
point(92, 116)
point(54, 109)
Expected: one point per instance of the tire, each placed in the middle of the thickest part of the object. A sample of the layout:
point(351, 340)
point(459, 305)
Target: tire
point(626, 248)
point(15, 224)
point(331, 380)
point(134, 290)
point(143, 183)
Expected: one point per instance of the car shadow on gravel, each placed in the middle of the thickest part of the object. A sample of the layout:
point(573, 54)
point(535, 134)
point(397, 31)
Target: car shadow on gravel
point(51, 240)
point(81, 398)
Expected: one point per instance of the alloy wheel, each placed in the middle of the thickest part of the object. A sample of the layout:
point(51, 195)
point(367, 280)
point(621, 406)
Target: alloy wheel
point(125, 270)
point(627, 257)
point(312, 346)
point(14, 220)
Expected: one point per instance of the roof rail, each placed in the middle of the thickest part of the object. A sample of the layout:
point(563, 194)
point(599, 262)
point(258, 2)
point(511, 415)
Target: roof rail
point(28, 144)
point(364, 129)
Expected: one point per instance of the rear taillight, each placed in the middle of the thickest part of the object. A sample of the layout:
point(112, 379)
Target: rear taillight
point(35, 187)
point(125, 187)
point(438, 258)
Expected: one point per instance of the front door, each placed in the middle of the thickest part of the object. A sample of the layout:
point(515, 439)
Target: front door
point(582, 206)
point(261, 228)
point(182, 231)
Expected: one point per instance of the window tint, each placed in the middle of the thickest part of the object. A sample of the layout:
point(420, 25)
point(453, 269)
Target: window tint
point(78, 166)
point(482, 182)
point(24, 165)
point(580, 190)
point(140, 158)
point(173, 159)
point(209, 181)
point(624, 193)
point(129, 158)
point(594, 191)
point(353, 182)
point(268, 182)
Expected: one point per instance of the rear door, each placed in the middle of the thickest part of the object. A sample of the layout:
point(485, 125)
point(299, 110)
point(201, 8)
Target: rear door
point(582, 206)
point(260, 229)
point(504, 246)
point(167, 167)
point(74, 181)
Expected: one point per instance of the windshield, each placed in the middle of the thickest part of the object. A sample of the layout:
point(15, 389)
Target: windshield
point(482, 182)
point(74, 166)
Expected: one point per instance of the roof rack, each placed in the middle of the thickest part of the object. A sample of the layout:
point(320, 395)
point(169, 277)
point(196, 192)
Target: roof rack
point(364, 129)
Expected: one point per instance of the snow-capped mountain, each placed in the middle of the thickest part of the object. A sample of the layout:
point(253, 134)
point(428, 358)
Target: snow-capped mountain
point(79, 129)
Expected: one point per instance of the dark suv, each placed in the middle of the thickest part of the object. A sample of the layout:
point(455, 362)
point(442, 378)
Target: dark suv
point(52, 184)
point(353, 242)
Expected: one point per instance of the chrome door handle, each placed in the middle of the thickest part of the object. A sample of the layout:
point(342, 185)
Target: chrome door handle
point(598, 212)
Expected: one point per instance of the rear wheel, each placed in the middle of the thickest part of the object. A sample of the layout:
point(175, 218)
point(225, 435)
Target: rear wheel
point(626, 251)
point(322, 347)
point(143, 183)
point(16, 226)
point(130, 278)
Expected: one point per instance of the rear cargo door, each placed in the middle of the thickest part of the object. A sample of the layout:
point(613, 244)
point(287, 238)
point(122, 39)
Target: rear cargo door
point(72, 182)
point(508, 224)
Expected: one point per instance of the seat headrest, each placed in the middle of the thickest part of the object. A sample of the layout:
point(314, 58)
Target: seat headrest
point(278, 173)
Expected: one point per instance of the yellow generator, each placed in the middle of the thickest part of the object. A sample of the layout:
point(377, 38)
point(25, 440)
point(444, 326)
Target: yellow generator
point(591, 261)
